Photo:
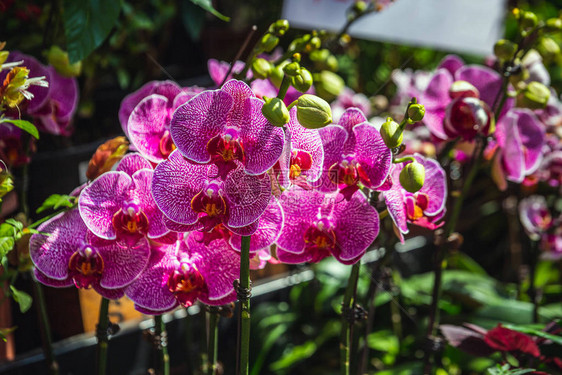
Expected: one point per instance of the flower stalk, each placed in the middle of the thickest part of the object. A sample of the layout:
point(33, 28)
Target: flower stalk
point(212, 349)
point(102, 335)
point(244, 293)
point(347, 319)
point(53, 366)
point(160, 334)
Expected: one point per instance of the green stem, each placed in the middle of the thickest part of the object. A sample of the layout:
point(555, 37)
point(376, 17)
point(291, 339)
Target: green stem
point(102, 336)
point(244, 344)
point(159, 331)
point(53, 366)
point(440, 254)
point(213, 342)
point(404, 159)
point(533, 295)
point(285, 84)
point(346, 331)
point(238, 54)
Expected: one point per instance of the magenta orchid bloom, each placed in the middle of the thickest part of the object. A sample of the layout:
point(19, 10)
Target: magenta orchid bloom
point(194, 197)
point(535, 216)
point(354, 153)
point(423, 208)
point(302, 159)
point(350, 99)
point(119, 205)
point(167, 89)
point(71, 254)
point(318, 225)
point(520, 138)
point(184, 272)
point(459, 100)
point(218, 69)
point(226, 127)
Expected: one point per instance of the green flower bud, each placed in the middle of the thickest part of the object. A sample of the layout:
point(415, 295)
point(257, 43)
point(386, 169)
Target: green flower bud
point(553, 24)
point(59, 60)
point(268, 42)
point(314, 44)
point(391, 133)
point(275, 111)
point(302, 81)
point(276, 74)
point(313, 112)
point(528, 20)
point(332, 63)
point(359, 6)
point(328, 85)
point(412, 176)
point(534, 96)
point(279, 27)
point(319, 55)
point(504, 49)
point(416, 112)
point(261, 68)
point(292, 69)
point(548, 48)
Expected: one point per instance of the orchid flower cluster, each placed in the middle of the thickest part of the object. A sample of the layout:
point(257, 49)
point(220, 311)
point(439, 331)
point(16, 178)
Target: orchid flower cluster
point(165, 226)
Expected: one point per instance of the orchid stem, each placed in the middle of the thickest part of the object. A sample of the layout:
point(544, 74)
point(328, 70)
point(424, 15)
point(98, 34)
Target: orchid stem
point(160, 332)
point(53, 366)
point(440, 254)
point(244, 298)
point(285, 84)
point(238, 54)
point(533, 295)
point(213, 342)
point(102, 336)
point(347, 321)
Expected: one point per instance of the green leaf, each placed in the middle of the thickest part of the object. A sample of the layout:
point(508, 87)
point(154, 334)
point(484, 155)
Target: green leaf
point(87, 24)
point(6, 245)
point(18, 225)
point(535, 332)
point(22, 298)
point(57, 201)
point(24, 125)
point(193, 18)
point(208, 6)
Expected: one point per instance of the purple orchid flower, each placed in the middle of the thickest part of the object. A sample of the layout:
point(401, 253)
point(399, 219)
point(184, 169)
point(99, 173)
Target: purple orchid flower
point(423, 208)
point(459, 100)
point(71, 254)
point(55, 115)
point(226, 127)
point(167, 89)
point(535, 216)
point(186, 271)
point(119, 205)
point(318, 225)
point(350, 99)
point(354, 153)
point(193, 197)
point(520, 138)
point(302, 160)
point(218, 69)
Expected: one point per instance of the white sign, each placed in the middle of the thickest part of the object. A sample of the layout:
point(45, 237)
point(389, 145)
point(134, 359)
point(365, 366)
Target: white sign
point(471, 26)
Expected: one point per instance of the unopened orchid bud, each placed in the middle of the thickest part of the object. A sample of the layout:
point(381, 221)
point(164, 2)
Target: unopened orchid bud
point(59, 60)
point(328, 84)
point(302, 81)
point(332, 63)
point(528, 20)
point(292, 69)
point(268, 42)
point(553, 24)
point(275, 111)
point(319, 55)
point(313, 112)
point(313, 44)
point(463, 89)
point(416, 112)
point(548, 49)
point(261, 68)
point(279, 27)
point(412, 176)
point(360, 6)
point(391, 133)
point(505, 49)
point(534, 96)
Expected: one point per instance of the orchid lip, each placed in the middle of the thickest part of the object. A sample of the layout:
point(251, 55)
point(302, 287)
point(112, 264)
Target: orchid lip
point(85, 266)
